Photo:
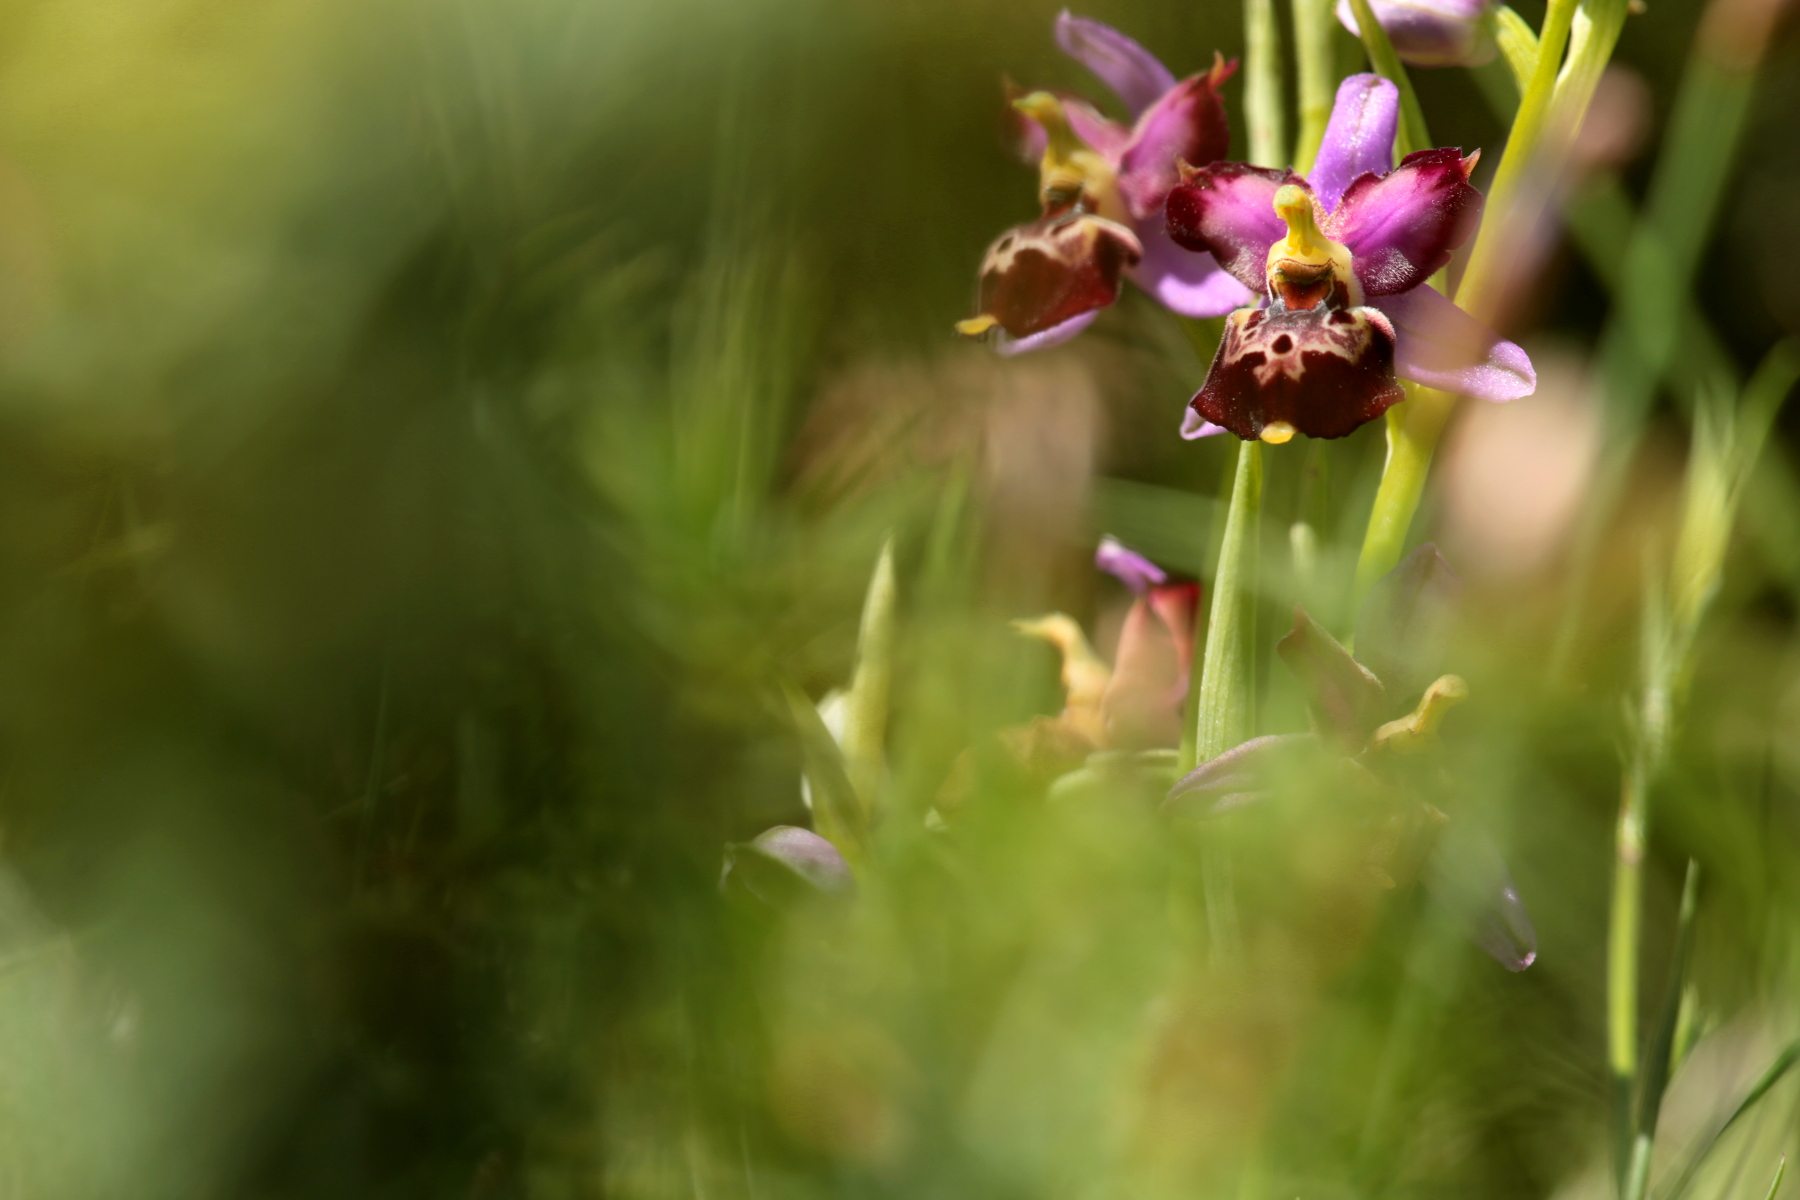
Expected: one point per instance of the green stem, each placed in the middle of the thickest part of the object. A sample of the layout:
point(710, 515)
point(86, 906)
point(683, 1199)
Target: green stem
point(1518, 44)
point(1490, 250)
point(1415, 426)
point(1413, 431)
point(1622, 962)
point(1313, 23)
point(1382, 57)
point(1262, 84)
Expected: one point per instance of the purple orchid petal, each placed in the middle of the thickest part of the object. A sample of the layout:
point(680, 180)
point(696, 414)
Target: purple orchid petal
point(1442, 346)
point(1228, 210)
point(1108, 138)
point(1126, 67)
point(1193, 426)
point(1401, 227)
point(1184, 281)
point(1430, 33)
point(1359, 139)
point(1187, 123)
point(1007, 346)
point(1128, 566)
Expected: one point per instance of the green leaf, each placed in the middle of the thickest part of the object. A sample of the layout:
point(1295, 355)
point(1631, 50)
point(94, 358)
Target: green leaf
point(866, 707)
point(1227, 665)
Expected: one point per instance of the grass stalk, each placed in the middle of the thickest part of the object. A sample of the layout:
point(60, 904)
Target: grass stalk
point(1315, 81)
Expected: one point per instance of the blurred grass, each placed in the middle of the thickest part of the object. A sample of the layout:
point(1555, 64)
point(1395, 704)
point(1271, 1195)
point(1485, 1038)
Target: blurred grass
point(428, 431)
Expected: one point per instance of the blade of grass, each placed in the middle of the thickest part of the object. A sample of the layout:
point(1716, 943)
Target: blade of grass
point(1643, 764)
point(866, 707)
point(1262, 84)
point(1655, 1078)
point(1644, 328)
point(1226, 676)
point(837, 814)
point(1775, 1185)
point(1767, 1080)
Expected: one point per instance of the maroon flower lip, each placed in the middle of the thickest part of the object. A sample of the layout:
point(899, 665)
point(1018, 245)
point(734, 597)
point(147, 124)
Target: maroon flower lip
point(1320, 371)
point(1342, 256)
point(1039, 276)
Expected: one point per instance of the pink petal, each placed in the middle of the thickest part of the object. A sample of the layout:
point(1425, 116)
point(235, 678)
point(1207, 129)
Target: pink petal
point(1360, 137)
point(1142, 705)
point(1109, 138)
point(1187, 123)
point(1228, 210)
point(1007, 346)
point(1127, 565)
point(1185, 281)
point(1194, 426)
point(1126, 67)
point(1401, 228)
point(1442, 346)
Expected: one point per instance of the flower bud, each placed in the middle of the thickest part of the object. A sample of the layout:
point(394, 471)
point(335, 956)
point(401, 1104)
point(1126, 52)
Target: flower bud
point(786, 864)
point(1430, 33)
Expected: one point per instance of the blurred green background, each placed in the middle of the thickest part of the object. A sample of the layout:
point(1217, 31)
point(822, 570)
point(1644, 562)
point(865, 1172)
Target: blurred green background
point(430, 430)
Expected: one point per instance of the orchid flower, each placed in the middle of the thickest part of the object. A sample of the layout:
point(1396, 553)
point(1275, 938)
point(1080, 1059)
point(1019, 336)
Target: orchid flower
point(1430, 33)
point(1343, 256)
point(1376, 721)
point(1136, 703)
point(1132, 705)
point(1102, 186)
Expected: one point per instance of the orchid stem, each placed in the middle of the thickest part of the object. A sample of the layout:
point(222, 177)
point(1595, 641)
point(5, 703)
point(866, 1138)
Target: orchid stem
point(1262, 84)
point(1312, 53)
point(1488, 254)
point(1413, 431)
point(1412, 134)
point(1625, 927)
point(1415, 426)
